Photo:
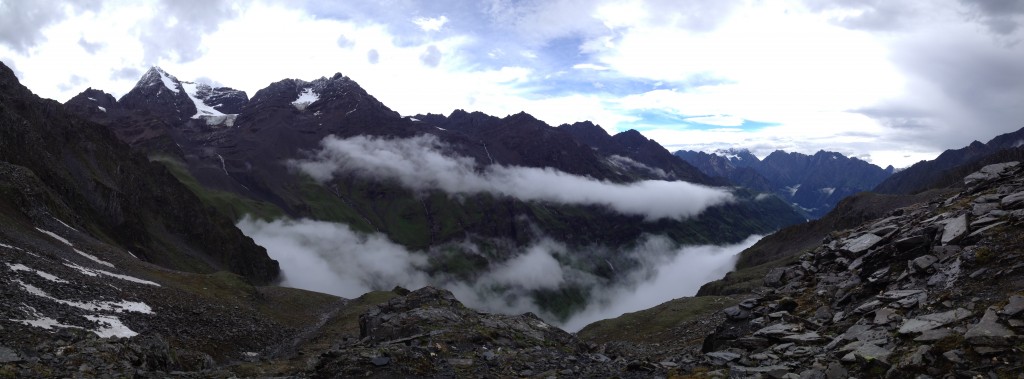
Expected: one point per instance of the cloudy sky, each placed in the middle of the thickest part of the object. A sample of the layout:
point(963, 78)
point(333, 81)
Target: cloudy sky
point(892, 82)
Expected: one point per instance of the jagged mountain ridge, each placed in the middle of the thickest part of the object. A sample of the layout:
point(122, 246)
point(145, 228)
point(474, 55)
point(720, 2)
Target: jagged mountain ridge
point(942, 169)
point(245, 159)
point(813, 183)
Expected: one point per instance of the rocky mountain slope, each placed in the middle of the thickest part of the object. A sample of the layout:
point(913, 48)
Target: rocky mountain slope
point(62, 171)
point(814, 184)
point(952, 165)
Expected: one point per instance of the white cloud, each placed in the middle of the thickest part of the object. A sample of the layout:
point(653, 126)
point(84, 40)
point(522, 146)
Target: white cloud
point(720, 120)
point(421, 163)
point(331, 258)
point(589, 66)
point(678, 274)
point(430, 24)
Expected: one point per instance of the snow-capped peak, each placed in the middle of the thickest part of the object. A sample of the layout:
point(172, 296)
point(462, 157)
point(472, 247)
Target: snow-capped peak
point(305, 98)
point(202, 109)
point(169, 81)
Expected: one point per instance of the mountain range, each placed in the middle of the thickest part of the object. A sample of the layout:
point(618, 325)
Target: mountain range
point(122, 254)
point(813, 184)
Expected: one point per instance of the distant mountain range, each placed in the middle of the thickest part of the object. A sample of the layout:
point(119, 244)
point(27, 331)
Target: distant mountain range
point(813, 184)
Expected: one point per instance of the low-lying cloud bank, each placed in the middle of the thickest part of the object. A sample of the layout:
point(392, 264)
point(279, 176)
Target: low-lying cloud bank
point(419, 163)
point(331, 258)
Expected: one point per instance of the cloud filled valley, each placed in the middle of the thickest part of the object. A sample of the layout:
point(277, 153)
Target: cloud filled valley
point(331, 258)
point(420, 163)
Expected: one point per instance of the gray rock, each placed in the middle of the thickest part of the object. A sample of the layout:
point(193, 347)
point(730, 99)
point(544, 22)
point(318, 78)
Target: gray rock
point(931, 321)
point(380, 361)
point(987, 228)
point(990, 172)
point(989, 198)
point(720, 358)
point(917, 358)
point(933, 335)
point(868, 352)
point(923, 262)
point(898, 294)
point(1012, 201)
point(885, 315)
point(808, 337)
point(8, 355)
point(912, 242)
point(836, 370)
point(1014, 306)
point(778, 330)
point(955, 356)
point(954, 230)
point(982, 209)
point(861, 243)
point(736, 313)
point(883, 231)
point(983, 221)
point(812, 374)
point(774, 278)
point(989, 331)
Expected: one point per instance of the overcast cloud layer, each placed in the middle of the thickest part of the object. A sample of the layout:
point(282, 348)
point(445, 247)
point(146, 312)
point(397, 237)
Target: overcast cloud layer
point(420, 163)
point(888, 81)
point(331, 258)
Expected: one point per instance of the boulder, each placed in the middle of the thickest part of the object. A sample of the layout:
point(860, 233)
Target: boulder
point(861, 243)
point(989, 331)
point(1014, 306)
point(990, 172)
point(931, 321)
point(954, 230)
point(1012, 201)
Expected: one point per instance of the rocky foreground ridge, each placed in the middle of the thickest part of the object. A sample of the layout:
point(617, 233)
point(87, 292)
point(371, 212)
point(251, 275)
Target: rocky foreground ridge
point(932, 290)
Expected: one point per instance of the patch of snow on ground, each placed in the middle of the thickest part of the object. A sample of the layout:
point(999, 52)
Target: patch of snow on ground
point(111, 326)
point(95, 272)
point(109, 306)
point(43, 274)
point(133, 255)
point(65, 224)
point(94, 258)
point(305, 98)
point(102, 108)
point(93, 99)
point(38, 320)
point(202, 109)
point(416, 120)
point(55, 236)
point(168, 82)
point(828, 191)
point(9, 246)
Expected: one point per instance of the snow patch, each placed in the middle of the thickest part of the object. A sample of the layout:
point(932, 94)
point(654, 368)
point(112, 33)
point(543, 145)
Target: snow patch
point(762, 196)
point(168, 82)
point(202, 109)
point(10, 247)
point(93, 99)
point(42, 274)
point(133, 255)
point(111, 326)
point(827, 191)
point(94, 258)
point(306, 98)
point(102, 108)
point(95, 272)
point(98, 305)
point(38, 320)
point(414, 119)
point(55, 236)
point(65, 224)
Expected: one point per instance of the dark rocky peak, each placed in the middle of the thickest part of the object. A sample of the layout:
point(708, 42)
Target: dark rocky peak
point(325, 96)
point(889, 169)
point(162, 95)
point(739, 157)
point(1009, 140)
point(590, 134)
point(93, 102)
point(631, 139)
